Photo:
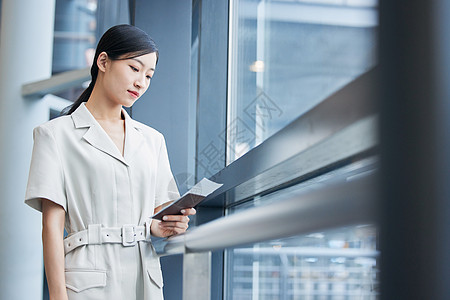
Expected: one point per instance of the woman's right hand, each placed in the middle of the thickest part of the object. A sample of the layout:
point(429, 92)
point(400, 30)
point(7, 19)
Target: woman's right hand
point(172, 224)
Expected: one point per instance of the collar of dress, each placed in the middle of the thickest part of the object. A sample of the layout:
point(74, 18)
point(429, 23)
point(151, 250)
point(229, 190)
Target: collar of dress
point(97, 137)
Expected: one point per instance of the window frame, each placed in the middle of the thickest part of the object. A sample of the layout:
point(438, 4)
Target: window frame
point(260, 162)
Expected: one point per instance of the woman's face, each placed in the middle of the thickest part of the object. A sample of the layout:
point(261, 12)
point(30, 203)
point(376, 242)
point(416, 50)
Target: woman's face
point(126, 80)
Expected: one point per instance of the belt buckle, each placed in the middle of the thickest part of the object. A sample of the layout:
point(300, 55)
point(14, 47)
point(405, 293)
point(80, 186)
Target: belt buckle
point(128, 235)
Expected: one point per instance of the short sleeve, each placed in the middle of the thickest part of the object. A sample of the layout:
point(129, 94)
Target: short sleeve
point(46, 177)
point(166, 187)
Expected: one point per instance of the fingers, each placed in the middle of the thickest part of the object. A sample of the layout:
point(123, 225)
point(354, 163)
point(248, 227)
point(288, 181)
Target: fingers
point(177, 224)
point(188, 211)
point(171, 228)
point(175, 218)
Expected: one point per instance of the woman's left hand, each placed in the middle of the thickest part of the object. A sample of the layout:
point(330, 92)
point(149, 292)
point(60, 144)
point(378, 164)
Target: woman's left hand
point(172, 224)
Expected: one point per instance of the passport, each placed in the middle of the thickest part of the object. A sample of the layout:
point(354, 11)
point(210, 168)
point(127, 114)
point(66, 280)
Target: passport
point(190, 199)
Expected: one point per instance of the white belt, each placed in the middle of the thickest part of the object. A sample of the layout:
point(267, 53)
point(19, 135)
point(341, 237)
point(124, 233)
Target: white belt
point(127, 235)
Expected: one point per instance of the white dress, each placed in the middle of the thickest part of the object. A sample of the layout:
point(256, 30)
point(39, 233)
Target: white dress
point(106, 196)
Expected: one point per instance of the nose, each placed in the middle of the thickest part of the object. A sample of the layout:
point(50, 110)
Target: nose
point(140, 82)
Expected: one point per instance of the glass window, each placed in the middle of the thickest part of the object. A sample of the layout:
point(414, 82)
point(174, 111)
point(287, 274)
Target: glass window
point(286, 56)
point(74, 37)
point(334, 264)
point(78, 26)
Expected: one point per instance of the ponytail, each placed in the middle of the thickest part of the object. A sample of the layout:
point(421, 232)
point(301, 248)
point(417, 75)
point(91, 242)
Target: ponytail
point(84, 97)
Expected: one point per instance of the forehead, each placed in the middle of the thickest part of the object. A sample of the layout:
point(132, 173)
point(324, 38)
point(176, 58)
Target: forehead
point(147, 61)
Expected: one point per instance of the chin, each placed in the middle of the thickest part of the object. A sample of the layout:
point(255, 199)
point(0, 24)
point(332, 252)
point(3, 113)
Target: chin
point(128, 104)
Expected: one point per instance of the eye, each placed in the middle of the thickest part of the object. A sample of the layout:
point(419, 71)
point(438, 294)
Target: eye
point(134, 69)
point(149, 77)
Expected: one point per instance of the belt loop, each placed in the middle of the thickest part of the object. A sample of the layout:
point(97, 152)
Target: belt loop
point(148, 225)
point(94, 234)
point(128, 235)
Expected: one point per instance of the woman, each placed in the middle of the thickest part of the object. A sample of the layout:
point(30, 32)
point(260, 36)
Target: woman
point(101, 176)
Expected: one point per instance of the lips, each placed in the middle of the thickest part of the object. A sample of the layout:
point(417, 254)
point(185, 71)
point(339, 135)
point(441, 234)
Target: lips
point(133, 94)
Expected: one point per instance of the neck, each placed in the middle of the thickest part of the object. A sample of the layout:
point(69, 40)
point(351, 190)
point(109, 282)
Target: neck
point(101, 108)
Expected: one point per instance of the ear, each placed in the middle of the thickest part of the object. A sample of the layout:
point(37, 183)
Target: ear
point(102, 61)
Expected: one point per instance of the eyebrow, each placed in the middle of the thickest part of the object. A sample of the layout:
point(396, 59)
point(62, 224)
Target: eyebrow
point(142, 64)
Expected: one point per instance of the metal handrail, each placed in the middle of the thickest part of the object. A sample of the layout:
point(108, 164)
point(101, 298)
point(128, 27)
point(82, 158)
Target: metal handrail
point(337, 204)
point(298, 150)
point(56, 83)
point(302, 148)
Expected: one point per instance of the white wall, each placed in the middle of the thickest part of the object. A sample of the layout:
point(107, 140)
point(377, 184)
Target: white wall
point(26, 40)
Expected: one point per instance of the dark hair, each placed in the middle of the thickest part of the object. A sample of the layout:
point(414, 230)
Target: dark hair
point(119, 42)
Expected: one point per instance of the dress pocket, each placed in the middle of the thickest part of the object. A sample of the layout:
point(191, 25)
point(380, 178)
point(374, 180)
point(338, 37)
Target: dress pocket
point(80, 280)
point(155, 276)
